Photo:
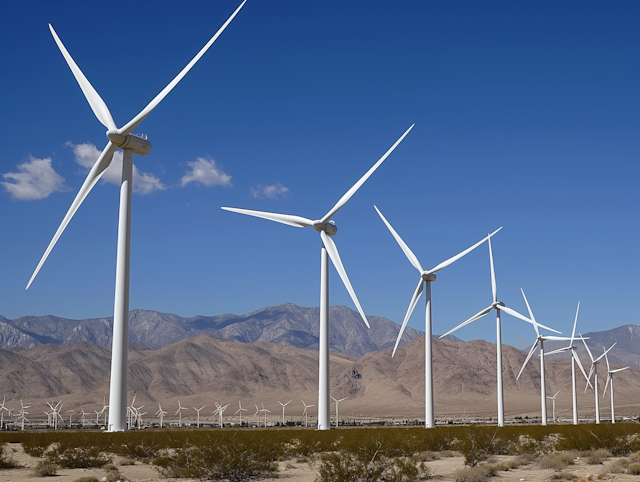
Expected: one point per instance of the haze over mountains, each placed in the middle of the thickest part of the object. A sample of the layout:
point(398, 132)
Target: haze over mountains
point(286, 324)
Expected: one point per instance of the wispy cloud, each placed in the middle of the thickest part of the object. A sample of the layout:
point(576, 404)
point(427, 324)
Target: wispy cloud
point(35, 179)
point(206, 172)
point(143, 183)
point(270, 191)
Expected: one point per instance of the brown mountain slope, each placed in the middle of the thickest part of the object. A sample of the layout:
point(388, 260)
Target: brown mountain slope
point(203, 370)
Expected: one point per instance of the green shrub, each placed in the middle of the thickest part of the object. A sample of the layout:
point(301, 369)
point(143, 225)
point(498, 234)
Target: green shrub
point(45, 468)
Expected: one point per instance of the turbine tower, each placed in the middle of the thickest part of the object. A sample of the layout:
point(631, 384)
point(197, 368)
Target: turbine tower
point(425, 277)
point(327, 229)
point(240, 410)
point(337, 402)
point(610, 373)
point(161, 413)
point(179, 413)
point(283, 405)
point(594, 371)
point(540, 339)
point(574, 358)
point(305, 413)
point(553, 399)
point(130, 144)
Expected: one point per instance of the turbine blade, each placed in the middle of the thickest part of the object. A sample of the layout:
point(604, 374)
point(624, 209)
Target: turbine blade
point(494, 288)
point(559, 350)
point(577, 358)
point(158, 98)
point(619, 370)
point(555, 338)
point(92, 178)
point(466, 251)
point(295, 221)
point(607, 359)
point(412, 305)
point(408, 253)
point(588, 351)
point(357, 185)
point(337, 262)
point(535, 345)
point(98, 106)
point(535, 324)
point(606, 351)
point(533, 318)
point(478, 315)
point(607, 384)
point(573, 333)
point(556, 394)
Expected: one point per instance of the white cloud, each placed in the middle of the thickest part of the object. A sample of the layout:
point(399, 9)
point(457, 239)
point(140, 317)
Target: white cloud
point(205, 171)
point(270, 191)
point(143, 183)
point(36, 179)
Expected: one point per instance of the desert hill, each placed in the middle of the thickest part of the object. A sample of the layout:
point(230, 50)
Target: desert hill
point(205, 369)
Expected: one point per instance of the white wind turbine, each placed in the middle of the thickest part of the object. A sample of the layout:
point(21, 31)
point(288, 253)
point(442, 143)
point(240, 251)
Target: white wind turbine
point(554, 404)
point(283, 405)
point(161, 413)
point(23, 413)
point(2, 409)
point(240, 410)
point(610, 373)
point(70, 417)
point(327, 228)
point(257, 415)
point(499, 306)
point(574, 358)
point(83, 419)
point(130, 144)
point(540, 339)
point(98, 413)
point(337, 402)
point(55, 413)
point(425, 277)
point(305, 413)
point(198, 410)
point(179, 413)
point(594, 371)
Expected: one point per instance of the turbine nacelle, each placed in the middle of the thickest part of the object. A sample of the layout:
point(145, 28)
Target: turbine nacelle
point(426, 276)
point(136, 143)
point(329, 227)
point(496, 304)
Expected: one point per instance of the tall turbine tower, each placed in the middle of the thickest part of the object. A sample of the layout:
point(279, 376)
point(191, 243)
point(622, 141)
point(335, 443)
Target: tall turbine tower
point(499, 306)
point(610, 373)
point(327, 229)
point(594, 371)
point(425, 277)
point(574, 358)
point(540, 339)
point(130, 144)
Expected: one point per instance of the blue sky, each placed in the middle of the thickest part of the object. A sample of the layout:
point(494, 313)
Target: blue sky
point(526, 117)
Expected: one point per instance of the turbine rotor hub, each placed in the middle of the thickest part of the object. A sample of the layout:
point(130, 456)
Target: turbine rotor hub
point(138, 144)
point(426, 276)
point(329, 227)
point(498, 303)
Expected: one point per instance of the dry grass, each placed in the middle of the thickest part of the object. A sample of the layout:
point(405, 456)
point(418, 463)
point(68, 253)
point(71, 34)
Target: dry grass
point(557, 460)
point(634, 469)
point(45, 468)
point(596, 456)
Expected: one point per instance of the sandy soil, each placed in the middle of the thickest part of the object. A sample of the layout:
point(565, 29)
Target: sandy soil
point(298, 471)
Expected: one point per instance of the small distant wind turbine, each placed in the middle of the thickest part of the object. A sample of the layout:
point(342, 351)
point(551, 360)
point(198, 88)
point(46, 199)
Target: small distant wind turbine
point(327, 229)
point(554, 404)
point(130, 144)
point(83, 419)
point(594, 371)
point(240, 410)
point(2, 409)
point(198, 410)
point(70, 416)
point(305, 413)
point(98, 413)
point(22, 414)
point(574, 358)
point(610, 373)
point(179, 413)
point(283, 405)
point(499, 306)
point(257, 415)
point(337, 416)
point(55, 413)
point(160, 413)
point(540, 339)
point(425, 277)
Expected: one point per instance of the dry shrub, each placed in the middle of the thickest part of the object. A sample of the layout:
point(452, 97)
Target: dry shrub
point(563, 476)
point(635, 457)
point(619, 466)
point(634, 469)
point(87, 479)
point(428, 456)
point(596, 457)
point(349, 467)
point(557, 460)
point(78, 457)
point(526, 459)
point(127, 461)
point(113, 473)
point(45, 468)
point(6, 462)
point(472, 474)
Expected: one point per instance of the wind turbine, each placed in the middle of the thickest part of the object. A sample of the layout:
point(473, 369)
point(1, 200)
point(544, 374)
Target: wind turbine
point(179, 413)
point(283, 405)
point(161, 413)
point(305, 413)
point(574, 358)
point(83, 419)
point(499, 306)
point(327, 229)
point(554, 404)
point(240, 410)
point(425, 277)
point(337, 402)
point(55, 413)
point(23, 412)
point(70, 416)
point(198, 410)
point(594, 371)
point(130, 144)
point(257, 415)
point(2, 409)
point(540, 339)
point(610, 373)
